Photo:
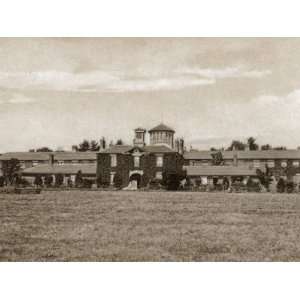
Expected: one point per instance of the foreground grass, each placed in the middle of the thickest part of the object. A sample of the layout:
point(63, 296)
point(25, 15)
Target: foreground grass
point(137, 226)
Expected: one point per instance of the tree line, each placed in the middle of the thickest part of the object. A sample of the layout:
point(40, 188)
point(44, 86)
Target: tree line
point(250, 144)
point(84, 146)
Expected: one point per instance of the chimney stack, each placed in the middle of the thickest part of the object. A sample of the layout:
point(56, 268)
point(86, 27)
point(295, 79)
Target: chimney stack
point(51, 159)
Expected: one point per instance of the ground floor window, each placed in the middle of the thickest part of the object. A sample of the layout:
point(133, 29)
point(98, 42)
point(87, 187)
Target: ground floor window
point(158, 175)
point(112, 176)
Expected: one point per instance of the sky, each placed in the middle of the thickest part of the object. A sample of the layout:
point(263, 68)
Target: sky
point(57, 91)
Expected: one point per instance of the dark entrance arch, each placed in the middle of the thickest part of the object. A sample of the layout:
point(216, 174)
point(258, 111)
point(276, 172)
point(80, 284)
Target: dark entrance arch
point(137, 177)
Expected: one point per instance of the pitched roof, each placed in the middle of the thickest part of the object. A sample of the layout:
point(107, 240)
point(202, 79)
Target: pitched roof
point(260, 154)
point(158, 149)
point(45, 155)
point(67, 169)
point(219, 171)
point(161, 127)
point(117, 149)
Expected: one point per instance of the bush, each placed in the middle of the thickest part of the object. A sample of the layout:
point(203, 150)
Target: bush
point(59, 180)
point(290, 187)
point(2, 180)
point(48, 180)
point(118, 181)
point(38, 180)
point(87, 183)
point(172, 182)
point(155, 184)
point(281, 185)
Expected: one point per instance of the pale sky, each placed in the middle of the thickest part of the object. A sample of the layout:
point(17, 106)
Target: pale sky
point(55, 92)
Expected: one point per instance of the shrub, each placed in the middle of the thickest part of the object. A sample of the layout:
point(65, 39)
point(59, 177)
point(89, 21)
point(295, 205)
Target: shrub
point(2, 180)
point(48, 180)
point(281, 185)
point(38, 180)
point(290, 187)
point(118, 181)
point(59, 179)
point(87, 183)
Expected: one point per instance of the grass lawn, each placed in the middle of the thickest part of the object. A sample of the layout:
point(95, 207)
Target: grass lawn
point(149, 226)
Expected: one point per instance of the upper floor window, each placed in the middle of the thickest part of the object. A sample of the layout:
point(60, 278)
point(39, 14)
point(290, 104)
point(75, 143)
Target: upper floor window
point(113, 160)
point(271, 163)
point(136, 161)
point(283, 164)
point(159, 161)
point(256, 163)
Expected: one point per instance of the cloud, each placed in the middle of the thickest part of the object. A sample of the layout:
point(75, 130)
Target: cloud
point(101, 81)
point(229, 72)
point(19, 99)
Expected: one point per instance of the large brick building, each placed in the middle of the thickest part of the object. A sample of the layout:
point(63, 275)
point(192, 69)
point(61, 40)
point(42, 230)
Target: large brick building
point(284, 163)
point(139, 162)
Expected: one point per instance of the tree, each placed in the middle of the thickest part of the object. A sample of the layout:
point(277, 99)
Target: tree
point(38, 180)
point(78, 179)
point(94, 146)
point(217, 158)
point(280, 148)
point(10, 169)
point(264, 177)
point(118, 181)
point(237, 145)
point(281, 185)
point(48, 180)
point(119, 142)
point(251, 143)
point(103, 143)
point(84, 146)
point(44, 149)
point(59, 180)
point(266, 147)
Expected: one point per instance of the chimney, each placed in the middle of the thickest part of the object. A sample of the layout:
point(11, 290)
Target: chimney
point(51, 159)
point(235, 159)
point(181, 146)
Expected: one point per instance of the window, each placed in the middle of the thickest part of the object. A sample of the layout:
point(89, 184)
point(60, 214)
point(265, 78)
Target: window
point(112, 176)
point(136, 161)
point(113, 160)
point(256, 163)
point(271, 163)
point(61, 162)
point(296, 163)
point(283, 164)
point(35, 163)
point(158, 175)
point(159, 161)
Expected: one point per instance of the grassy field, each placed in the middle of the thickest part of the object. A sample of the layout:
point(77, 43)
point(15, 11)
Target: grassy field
point(149, 226)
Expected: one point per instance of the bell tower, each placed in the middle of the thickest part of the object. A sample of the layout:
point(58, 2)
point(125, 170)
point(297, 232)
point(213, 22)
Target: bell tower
point(139, 137)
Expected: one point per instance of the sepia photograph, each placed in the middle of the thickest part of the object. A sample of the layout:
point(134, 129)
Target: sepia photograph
point(149, 149)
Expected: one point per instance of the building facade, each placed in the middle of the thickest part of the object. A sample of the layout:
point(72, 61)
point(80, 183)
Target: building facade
point(284, 163)
point(140, 162)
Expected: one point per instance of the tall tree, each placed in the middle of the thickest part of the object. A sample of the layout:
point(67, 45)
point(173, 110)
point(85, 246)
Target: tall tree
point(119, 142)
point(237, 145)
point(280, 148)
point(217, 158)
point(44, 149)
point(94, 146)
point(10, 169)
point(84, 146)
point(251, 143)
point(266, 147)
